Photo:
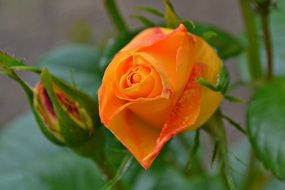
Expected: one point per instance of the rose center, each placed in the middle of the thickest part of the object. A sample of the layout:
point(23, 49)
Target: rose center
point(135, 75)
point(135, 78)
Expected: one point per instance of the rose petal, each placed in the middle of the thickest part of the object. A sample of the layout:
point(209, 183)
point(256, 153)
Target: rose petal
point(154, 112)
point(184, 114)
point(146, 38)
point(185, 61)
point(136, 135)
point(137, 124)
point(109, 104)
point(210, 100)
point(162, 54)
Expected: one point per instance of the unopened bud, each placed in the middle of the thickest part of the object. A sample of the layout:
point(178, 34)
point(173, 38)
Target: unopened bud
point(64, 113)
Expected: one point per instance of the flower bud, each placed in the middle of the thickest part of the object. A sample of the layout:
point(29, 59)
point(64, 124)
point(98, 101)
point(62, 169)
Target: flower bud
point(64, 114)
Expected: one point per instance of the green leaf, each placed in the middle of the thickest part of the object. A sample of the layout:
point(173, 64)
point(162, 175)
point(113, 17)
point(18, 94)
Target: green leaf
point(79, 63)
point(29, 161)
point(226, 44)
point(266, 126)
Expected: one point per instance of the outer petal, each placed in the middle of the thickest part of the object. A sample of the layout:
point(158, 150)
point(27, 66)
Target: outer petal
point(196, 104)
point(146, 38)
point(109, 104)
point(184, 113)
point(210, 100)
point(136, 135)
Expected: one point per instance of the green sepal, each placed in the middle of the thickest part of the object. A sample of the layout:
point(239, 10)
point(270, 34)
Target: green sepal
point(222, 83)
point(193, 152)
point(150, 10)
point(224, 43)
point(44, 129)
point(9, 61)
point(72, 133)
point(171, 18)
point(234, 99)
point(215, 128)
point(235, 124)
point(145, 21)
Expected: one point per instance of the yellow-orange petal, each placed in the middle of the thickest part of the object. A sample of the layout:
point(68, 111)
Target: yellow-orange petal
point(136, 79)
point(109, 104)
point(154, 112)
point(136, 135)
point(185, 63)
point(212, 64)
point(162, 54)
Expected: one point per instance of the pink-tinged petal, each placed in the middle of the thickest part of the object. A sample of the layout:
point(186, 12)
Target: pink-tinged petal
point(184, 114)
point(212, 64)
point(146, 38)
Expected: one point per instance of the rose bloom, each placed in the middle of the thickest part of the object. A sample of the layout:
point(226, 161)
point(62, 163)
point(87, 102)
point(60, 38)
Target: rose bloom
point(149, 91)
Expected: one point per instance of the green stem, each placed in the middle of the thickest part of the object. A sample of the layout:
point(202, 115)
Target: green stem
point(264, 15)
point(254, 63)
point(27, 68)
point(255, 178)
point(126, 163)
point(115, 16)
point(11, 74)
point(250, 172)
point(93, 149)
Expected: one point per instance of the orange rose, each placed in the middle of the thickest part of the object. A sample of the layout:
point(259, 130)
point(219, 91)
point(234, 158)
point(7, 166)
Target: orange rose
point(149, 91)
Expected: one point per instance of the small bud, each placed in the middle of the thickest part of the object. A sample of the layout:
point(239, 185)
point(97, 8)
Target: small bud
point(64, 113)
point(44, 107)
